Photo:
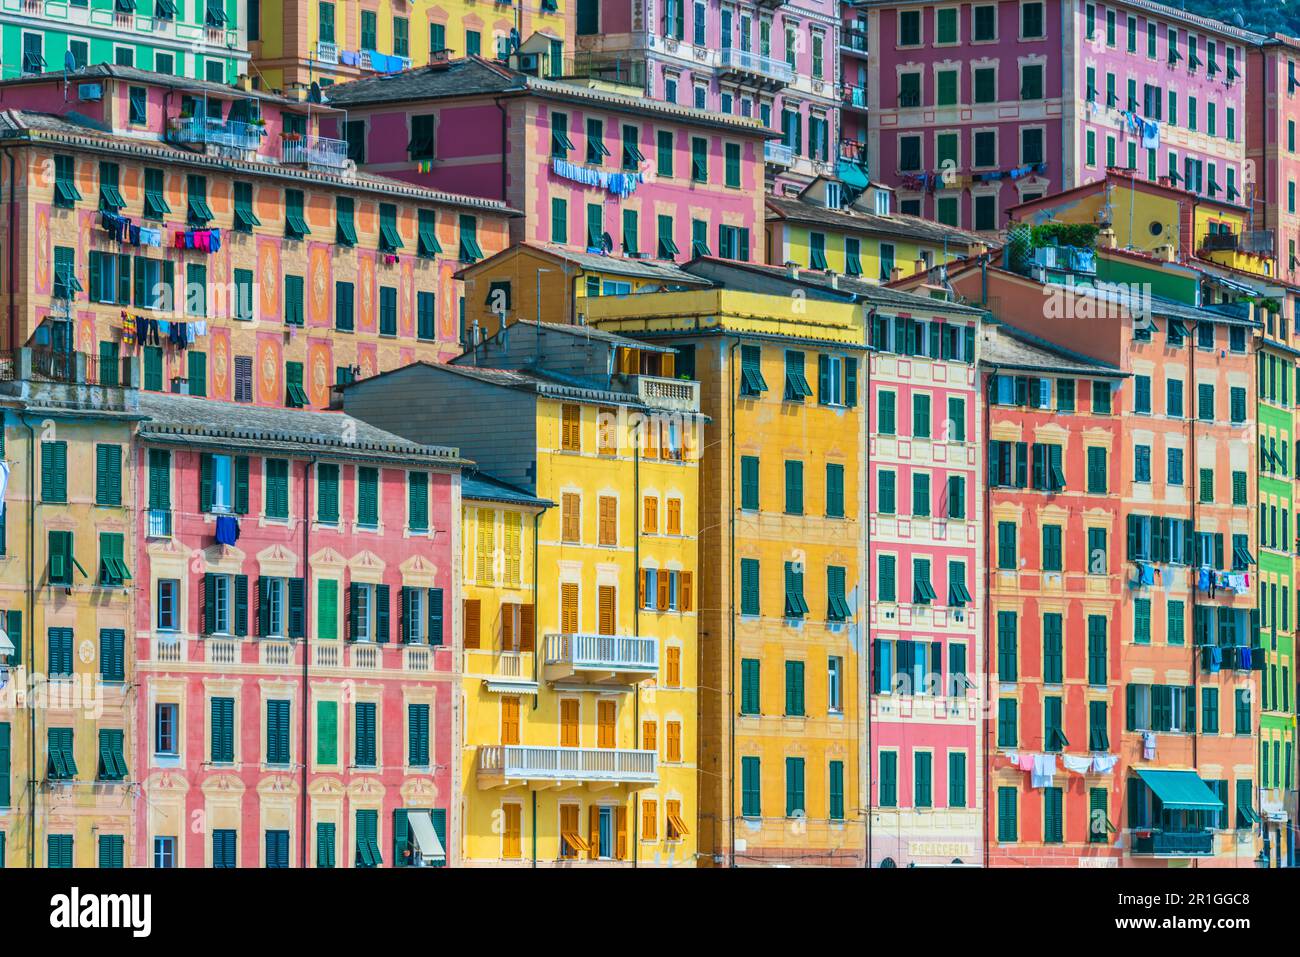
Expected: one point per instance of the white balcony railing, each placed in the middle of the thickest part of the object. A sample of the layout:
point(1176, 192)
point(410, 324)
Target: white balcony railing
point(223, 651)
point(365, 657)
point(235, 134)
point(328, 655)
point(523, 763)
point(278, 654)
point(417, 658)
point(320, 151)
point(603, 652)
point(732, 60)
point(679, 395)
point(774, 151)
point(326, 52)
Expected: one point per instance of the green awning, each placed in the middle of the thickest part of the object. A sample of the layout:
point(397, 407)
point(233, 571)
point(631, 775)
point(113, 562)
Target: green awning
point(851, 174)
point(1180, 790)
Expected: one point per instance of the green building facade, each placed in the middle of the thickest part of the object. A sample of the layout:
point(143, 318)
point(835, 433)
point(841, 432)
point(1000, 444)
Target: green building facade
point(201, 39)
point(1279, 532)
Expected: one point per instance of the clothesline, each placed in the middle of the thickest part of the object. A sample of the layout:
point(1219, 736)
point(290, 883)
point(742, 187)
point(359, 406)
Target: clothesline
point(148, 331)
point(124, 231)
point(620, 184)
point(1042, 767)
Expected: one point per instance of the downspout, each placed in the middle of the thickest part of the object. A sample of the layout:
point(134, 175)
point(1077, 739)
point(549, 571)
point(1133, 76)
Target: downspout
point(636, 631)
point(988, 605)
point(537, 516)
point(731, 600)
point(308, 468)
point(1195, 477)
point(865, 481)
point(32, 781)
point(13, 231)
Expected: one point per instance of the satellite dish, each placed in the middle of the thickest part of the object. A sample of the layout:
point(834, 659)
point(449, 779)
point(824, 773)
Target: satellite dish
point(606, 243)
point(314, 94)
point(69, 61)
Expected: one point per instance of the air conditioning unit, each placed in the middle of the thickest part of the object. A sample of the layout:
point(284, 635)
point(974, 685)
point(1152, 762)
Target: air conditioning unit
point(530, 63)
point(90, 92)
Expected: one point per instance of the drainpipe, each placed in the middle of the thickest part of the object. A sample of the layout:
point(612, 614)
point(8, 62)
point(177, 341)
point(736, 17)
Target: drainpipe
point(534, 808)
point(988, 606)
point(636, 632)
point(1195, 476)
point(731, 599)
point(13, 231)
point(308, 467)
point(32, 781)
point(867, 581)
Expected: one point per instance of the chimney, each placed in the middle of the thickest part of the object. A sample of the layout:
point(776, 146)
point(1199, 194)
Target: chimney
point(1106, 237)
point(896, 274)
point(835, 280)
point(792, 269)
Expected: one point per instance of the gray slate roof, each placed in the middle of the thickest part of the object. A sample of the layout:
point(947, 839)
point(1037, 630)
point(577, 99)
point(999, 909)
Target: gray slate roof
point(209, 422)
point(131, 74)
point(1013, 348)
point(474, 76)
point(478, 486)
point(651, 269)
point(851, 220)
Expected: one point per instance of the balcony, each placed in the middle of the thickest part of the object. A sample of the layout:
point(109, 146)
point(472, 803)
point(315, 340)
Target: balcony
point(326, 52)
point(601, 659)
point(853, 97)
point(675, 395)
point(1174, 843)
point(517, 765)
point(854, 40)
point(318, 152)
point(212, 131)
point(745, 66)
point(777, 153)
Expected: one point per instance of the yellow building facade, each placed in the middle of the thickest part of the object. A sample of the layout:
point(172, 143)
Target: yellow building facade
point(298, 42)
point(782, 562)
point(579, 631)
point(66, 557)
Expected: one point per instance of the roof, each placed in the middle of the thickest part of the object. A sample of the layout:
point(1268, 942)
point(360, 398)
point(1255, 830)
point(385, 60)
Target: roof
point(839, 286)
point(299, 432)
point(587, 332)
point(77, 131)
point(1180, 790)
point(533, 381)
point(1013, 348)
point(895, 224)
point(131, 74)
point(478, 486)
point(475, 76)
point(651, 269)
point(1116, 178)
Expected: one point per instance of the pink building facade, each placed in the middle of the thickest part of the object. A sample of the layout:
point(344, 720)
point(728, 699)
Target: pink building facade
point(1273, 114)
point(777, 62)
point(925, 568)
point(294, 640)
point(976, 107)
point(587, 167)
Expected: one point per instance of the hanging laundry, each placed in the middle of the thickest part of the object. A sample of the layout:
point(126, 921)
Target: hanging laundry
point(227, 529)
point(1014, 758)
point(1044, 771)
point(1244, 657)
point(1150, 134)
point(1026, 761)
point(1079, 764)
point(1148, 745)
point(128, 329)
point(150, 237)
point(1146, 574)
point(1102, 763)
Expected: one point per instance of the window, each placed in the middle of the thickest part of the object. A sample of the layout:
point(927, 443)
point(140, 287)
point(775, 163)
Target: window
point(794, 788)
point(367, 497)
point(922, 775)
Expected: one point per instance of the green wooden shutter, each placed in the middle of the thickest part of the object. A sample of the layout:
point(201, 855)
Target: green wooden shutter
point(297, 625)
point(327, 732)
point(54, 471)
point(241, 484)
point(327, 609)
point(5, 763)
point(382, 606)
point(205, 481)
point(418, 504)
point(435, 602)
point(241, 605)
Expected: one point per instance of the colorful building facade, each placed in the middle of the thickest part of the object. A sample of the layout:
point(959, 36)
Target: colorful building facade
point(296, 704)
point(1054, 573)
point(589, 168)
point(779, 64)
point(862, 239)
point(781, 729)
point(213, 233)
point(1272, 113)
point(584, 729)
point(69, 781)
point(971, 113)
point(1189, 640)
point(203, 41)
point(298, 43)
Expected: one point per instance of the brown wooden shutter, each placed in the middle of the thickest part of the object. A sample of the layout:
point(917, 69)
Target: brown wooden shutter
point(684, 596)
point(509, 719)
point(650, 820)
point(661, 600)
point(527, 628)
point(605, 724)
point(606, 617)
point(608, 520)
point(649, 736)
point(593, 825)
point(650, 515)
point(674, 517)
point(569, 723)
point(471, 622)
point(569, 608)
point(620, 833)
point(674, 741)
point(507, 626)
